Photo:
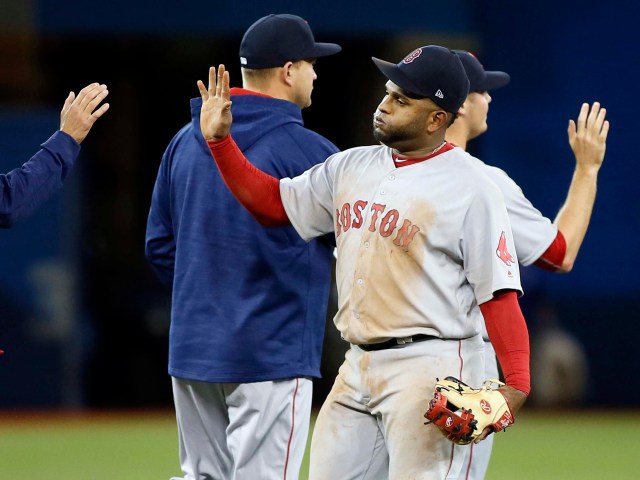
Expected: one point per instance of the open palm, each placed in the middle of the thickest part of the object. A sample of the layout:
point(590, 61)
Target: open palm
point(588, 136)
point(215, 115)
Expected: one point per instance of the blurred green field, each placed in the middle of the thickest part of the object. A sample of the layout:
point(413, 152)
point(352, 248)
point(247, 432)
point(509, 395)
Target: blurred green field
point(143, 446)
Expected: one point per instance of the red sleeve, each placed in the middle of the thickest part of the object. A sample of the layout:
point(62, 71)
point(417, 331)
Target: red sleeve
point(256, 190)
point(510, 338)
point(552, 258)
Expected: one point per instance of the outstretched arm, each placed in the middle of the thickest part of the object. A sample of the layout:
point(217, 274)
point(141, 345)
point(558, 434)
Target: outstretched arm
point(257, 191)
point(587, 138)
point(24, 189)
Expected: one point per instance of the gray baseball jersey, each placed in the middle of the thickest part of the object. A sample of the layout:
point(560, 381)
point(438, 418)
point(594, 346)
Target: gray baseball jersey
point(419, 247)
point(533, 233)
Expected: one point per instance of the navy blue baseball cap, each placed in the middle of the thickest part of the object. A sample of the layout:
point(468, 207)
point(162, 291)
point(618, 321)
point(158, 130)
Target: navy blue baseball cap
point(275, 40)
point(432, 72)
point(481, 80)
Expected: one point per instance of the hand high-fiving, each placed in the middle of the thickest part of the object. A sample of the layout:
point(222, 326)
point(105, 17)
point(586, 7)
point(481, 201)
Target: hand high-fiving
point(588, 136)
point(80, 113)
point(215, 115)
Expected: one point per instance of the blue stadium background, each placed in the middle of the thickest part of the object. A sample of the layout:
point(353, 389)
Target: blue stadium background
point(82, 319)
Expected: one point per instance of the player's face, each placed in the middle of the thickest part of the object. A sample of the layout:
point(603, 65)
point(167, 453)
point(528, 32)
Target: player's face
point(305, 75)
point(476, 110)
point(400, 120)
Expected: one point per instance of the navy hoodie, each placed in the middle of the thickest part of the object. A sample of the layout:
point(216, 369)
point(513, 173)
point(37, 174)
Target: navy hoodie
point(248, 302)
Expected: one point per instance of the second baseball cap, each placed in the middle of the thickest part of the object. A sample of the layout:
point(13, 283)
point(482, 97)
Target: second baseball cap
point(433, 72)
point(275, 40)
point(481, 80)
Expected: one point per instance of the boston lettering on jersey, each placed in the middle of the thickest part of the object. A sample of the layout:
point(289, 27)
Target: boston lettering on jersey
point(382, 221)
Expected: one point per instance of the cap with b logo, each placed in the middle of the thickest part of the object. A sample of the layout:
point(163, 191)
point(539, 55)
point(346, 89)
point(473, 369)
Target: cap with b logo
point(275, 40)
point(432, 72)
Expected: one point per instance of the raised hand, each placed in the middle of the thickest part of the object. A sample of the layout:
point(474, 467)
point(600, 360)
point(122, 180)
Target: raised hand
point(588, 136)
point(79, 113)
point(215, 115)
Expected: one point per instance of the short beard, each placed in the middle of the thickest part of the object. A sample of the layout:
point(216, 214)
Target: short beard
point(393, 138)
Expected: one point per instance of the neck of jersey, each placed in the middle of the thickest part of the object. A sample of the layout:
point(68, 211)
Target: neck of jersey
point(405, 162)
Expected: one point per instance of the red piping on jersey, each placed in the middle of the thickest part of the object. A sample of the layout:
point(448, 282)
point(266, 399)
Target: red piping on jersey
point(411, 161)
point(551, 260)
point(470, 460)
point(244, 91)
point(293, 422)
point(461, 360)
point(453, 451)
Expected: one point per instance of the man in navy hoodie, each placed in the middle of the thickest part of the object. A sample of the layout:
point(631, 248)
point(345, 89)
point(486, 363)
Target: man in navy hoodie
point(248, 302)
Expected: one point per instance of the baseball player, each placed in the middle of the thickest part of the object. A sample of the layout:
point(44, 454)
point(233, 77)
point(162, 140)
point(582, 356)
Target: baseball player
point(552, 246)
point(23, 189)
point(249, 304)
point(424, 246)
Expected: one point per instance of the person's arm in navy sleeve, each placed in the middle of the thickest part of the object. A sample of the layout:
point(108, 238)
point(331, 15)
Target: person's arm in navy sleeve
point(23, 189)
point(160, 245)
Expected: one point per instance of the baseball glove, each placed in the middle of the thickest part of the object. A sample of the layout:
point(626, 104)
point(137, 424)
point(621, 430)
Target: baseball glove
point(462, 413)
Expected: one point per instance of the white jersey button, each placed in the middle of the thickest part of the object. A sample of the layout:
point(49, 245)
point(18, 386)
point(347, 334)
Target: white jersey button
point(392, 177)
point(360, 281)
point(382, 192)
point(366, 244)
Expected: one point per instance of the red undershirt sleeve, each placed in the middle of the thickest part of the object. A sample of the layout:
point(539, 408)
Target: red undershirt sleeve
point(256, 190)
point(510, 339)
point(552, 258)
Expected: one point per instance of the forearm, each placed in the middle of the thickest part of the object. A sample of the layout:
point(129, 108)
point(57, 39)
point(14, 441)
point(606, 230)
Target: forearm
point(574, 216)
point(160, 251)
point(510, 339)
point(23, 189)
point(257, 191)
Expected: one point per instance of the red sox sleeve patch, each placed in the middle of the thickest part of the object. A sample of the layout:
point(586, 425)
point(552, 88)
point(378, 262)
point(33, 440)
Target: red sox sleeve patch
point(502, 252)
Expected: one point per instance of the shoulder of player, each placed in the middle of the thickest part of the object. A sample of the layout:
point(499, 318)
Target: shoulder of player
point(305, 139)
point(467, 161)
point(358, 157)
point(505, 183)
point(472, 175)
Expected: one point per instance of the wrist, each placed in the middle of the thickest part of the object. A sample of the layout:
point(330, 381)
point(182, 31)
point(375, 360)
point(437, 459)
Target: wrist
point(218, 142)
point(587, 171)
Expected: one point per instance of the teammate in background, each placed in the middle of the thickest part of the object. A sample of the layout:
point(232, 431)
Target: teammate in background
point(249, 303)
point(23, 189)
point(424, 245)
point(552, 246)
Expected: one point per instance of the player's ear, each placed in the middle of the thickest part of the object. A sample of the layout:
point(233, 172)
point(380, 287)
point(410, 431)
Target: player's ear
point(286, 74)
point(437, 119)
point(462, 111)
